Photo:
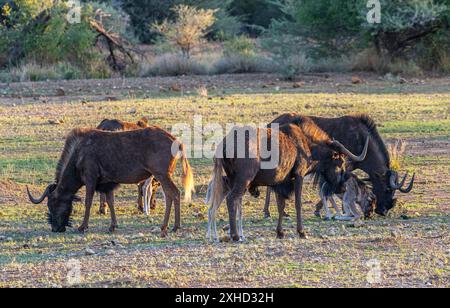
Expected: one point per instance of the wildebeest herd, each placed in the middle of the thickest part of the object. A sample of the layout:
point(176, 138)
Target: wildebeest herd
point(329, 149)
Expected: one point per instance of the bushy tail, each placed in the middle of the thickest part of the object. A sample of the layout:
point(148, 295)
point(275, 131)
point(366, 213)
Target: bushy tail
point(188, 176)
point(217, 184)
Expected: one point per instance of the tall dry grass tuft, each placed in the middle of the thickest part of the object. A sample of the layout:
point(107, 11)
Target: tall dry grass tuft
point(202, 91)
point(397, 152)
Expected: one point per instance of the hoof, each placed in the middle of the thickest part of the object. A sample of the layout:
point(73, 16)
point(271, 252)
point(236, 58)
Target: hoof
point(318, 214)
point(236, 238)
point(83, 229)
point(112, 229)
point(345, 218)
point(164, 234)
point(175, 229)
point(140, 209)
point(267, 216)
point(303, 235)
point(280, 235)
point(328, 219)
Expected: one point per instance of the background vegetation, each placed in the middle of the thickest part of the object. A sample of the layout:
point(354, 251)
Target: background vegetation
point(280, 36)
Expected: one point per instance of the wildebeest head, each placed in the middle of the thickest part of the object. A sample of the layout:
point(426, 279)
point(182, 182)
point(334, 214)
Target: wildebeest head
point(332, 166)
point(59, 207)
point(386, 186)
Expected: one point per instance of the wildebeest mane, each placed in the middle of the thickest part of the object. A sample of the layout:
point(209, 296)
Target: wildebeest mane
point(367, 121)
point(70, 147)
point(313, 132)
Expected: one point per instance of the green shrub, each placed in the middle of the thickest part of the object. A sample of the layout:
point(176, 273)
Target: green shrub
point(241, 46)
point(32, 71)
point(148, 12)
point(189, 28)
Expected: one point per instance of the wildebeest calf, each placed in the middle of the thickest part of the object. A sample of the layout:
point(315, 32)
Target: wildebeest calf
point(355, 192)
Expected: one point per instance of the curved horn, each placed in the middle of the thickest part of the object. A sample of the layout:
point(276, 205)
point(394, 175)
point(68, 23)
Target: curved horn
point(394, 181)
point(39, 201)
point(352, 156)
point(410, 187)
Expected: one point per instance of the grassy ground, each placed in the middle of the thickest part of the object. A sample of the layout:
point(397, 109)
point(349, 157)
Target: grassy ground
point(412, 247)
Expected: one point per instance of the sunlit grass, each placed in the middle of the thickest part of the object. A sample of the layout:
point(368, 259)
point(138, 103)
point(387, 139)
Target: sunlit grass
point(336, 254)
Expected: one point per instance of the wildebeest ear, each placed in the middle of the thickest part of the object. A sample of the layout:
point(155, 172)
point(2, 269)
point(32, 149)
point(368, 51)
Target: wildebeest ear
point(76, 199)
point(144, 120)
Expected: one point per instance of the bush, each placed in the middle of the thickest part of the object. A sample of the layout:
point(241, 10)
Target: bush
point(176, 65)
point(405, 24)
point(148, 12)
point(240, 56)
point(257, 14)
point(414, 35)
point(243, 64)
point(35, 72)
point(55, 41)
point(190, 27)
point(325, 28)
point(239, 46)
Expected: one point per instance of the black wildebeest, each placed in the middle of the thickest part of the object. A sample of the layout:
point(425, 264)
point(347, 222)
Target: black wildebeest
point(352, 131)
point(102, 161)
point(117, 126)
point(303, 148)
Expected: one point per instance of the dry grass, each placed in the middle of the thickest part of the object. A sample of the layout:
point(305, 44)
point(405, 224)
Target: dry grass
point(397, 152)
point(336, 255)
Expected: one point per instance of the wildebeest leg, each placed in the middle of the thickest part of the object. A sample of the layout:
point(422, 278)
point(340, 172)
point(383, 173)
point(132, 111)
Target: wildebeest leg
point(155, 186)
point(319, 207)
point(240, 215)
point(110, 200)
point(147, 191)
point(349, 205)
point(281, 202)
point(141, 197)
point(336, 207)
point(298, 206)
point(267, 206)
point(233, 201)
point(324, 198)
point(103, 204)
point(212, 221)
point(90, 193)
point(172, 195)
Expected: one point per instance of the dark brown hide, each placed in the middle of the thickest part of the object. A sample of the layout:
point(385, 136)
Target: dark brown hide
point(115, 126)
point(102, 160)
point(303, 148)
point(352, 132)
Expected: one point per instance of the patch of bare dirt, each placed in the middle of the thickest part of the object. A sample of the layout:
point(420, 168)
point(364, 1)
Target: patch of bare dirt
point(429, 147)
point(117, 89)
point(10, 192)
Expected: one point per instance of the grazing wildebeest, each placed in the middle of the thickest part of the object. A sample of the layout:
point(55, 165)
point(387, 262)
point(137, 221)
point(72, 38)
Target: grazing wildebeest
point(102, 161)
point(117, 126)
point(352, 131)
point(355, 192)
point(303, 148)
